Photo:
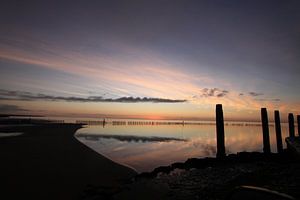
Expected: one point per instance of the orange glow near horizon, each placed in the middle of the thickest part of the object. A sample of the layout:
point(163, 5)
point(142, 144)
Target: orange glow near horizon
point(171, 65)
point(154, 79)
point(151, 111)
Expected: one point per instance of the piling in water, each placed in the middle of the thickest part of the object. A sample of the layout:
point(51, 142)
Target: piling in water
point(278, 131)
point(220, 131)
point(265, 128)
point(298, 121)
point(291, 125)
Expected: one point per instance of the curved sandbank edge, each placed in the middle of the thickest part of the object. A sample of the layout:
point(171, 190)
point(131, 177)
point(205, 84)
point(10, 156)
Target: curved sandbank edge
point(48, 162)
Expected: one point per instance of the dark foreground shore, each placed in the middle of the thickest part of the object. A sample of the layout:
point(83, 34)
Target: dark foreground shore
point(48, 162)
point(211, 178)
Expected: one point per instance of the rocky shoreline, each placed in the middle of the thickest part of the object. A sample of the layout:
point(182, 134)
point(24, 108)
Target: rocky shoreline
point(212, 178)
point(216, 179)
point(201, 163)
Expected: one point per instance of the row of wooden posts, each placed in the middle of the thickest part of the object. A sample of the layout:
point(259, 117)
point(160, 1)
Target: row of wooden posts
point(265, 129)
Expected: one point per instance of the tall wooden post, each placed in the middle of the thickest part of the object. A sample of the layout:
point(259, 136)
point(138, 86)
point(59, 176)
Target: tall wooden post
point(265, 128)
point(298, 122)
point(278, 131)
point(220, 131)
point(291, 125)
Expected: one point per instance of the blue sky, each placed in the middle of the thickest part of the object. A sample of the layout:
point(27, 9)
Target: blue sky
point(176, 50)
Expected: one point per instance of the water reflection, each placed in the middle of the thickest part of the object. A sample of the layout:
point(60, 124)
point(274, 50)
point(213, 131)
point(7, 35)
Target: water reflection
point(129, 138)
point(2, 135)
point(145, 147)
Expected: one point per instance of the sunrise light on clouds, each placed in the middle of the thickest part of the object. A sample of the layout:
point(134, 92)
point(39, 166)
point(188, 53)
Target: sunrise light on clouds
point(91, 57)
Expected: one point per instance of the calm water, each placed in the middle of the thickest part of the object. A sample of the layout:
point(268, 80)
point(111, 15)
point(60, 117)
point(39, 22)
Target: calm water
point(145, 147)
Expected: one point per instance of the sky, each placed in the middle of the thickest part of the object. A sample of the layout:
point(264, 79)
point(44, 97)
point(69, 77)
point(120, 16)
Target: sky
point(150, 59)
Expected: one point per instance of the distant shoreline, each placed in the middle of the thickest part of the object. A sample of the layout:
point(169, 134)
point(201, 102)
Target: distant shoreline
point(112, 117)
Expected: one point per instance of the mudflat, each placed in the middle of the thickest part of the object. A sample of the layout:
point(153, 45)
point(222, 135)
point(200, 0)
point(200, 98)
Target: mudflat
point(48, 162)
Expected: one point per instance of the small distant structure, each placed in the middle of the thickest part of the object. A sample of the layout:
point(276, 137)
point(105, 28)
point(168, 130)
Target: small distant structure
point(104, 122)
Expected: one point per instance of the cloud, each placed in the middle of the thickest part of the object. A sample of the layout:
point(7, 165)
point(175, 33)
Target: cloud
point(148, 74)
point(213, 92)
point(255, 94)
point(28, 96)
point(10, 108)
point(274, 100)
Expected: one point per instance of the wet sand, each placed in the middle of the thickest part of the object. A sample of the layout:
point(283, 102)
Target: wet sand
point(48, 162)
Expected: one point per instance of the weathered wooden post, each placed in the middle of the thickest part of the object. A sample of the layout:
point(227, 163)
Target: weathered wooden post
point(291, 125)
point(298, 122)
point(265, 128)
point(278, 131)
point(220, 131)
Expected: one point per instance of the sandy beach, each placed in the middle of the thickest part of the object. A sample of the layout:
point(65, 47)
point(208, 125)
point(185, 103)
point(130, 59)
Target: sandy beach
point(48, 162)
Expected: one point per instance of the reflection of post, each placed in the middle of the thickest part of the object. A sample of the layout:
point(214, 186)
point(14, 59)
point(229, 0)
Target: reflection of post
point(220, 131)
point(103, 122)
point(298, 121)
point(291, 125)
point(265, 127)
point(278, 132)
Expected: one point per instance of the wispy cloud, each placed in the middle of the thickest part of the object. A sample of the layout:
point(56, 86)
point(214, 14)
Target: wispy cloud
point(273, 100)
point(213, 92)
point(10, 108)
point(147, 74)
point(255, 94)
point(122, 78)
point(28, 96)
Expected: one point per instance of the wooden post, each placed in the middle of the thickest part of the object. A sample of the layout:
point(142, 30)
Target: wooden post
point(298, 122)
point(278, 131)
point(220, 131)
point(291, 125)
point(265, 128)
